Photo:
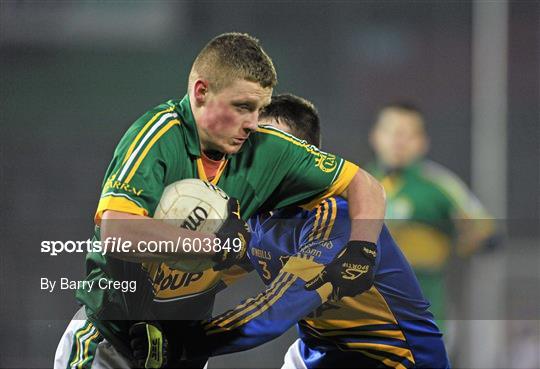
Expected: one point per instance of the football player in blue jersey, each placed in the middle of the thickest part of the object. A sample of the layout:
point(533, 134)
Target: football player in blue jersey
point(301, 257)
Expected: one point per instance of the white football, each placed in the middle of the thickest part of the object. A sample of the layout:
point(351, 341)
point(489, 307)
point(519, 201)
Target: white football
point(196, 205)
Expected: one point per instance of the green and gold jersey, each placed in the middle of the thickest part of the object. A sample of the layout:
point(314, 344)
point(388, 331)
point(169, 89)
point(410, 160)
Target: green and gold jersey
point(272, 170)
point(425, 203)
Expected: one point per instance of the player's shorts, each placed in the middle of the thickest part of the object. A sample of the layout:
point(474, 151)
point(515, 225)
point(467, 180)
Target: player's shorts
point(293, 357)
point(83, 347)
point(300, 356)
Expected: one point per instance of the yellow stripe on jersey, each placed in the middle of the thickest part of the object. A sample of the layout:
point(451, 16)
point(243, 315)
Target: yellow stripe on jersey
point(161, 132)
point(202, 172)
point(339, 185)
point(78, 335)
point(87, 347)
point(343, 346)
point(249, 304)
point(333, 208)
point(398, 351)
point(326, 209)
point(219, 172)
point(323, 228)
point(369, 308)
point(315, 223)
point(307, 269)
point(120, 203)
point(287, 137)
point(386, 361)
point(143, 130)
point(266, 305)
point(384, 333)
point(303, 268)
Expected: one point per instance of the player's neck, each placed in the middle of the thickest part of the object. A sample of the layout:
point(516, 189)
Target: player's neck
point(213, 155)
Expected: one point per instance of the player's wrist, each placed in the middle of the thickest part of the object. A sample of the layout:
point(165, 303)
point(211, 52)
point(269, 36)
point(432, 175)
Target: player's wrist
point(366, 248)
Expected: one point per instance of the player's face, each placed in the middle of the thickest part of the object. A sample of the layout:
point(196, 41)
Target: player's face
point(230, 115)
point(399, 138)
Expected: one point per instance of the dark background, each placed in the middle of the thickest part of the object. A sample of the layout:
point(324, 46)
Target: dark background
point(75, 75)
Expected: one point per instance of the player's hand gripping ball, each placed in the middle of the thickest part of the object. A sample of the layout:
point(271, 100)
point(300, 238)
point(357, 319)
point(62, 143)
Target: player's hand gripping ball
point(350, 273)
point(196, 205)
point(148, 345)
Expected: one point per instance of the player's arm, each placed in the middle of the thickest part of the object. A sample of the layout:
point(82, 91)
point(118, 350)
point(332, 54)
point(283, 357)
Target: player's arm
point(367, 203)
point(286, 301)
point(474, 225)
point(259, 319)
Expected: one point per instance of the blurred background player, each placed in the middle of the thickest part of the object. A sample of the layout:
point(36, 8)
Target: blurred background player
point(429, 209)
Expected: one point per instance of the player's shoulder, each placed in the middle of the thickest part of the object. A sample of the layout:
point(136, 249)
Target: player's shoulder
point(269, 135)
point(158, 115)
point(446, 181)
point(155, 121)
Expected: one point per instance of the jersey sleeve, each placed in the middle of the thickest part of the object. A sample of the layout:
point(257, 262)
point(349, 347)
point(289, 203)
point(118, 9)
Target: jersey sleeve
point(465, 205)
point(264, 317)
point(136, 175)
point(313, 175)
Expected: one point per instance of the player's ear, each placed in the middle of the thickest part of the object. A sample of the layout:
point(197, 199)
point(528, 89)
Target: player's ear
point(200, 91)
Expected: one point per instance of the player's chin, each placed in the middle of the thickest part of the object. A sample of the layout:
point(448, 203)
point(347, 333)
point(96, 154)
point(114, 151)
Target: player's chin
point(232, 148)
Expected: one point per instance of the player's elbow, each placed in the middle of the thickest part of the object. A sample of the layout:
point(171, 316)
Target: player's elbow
point(380, 193)
point(372, 192)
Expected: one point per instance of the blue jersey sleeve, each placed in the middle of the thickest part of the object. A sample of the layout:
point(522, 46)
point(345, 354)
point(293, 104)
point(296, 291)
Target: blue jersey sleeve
point(259, 319)
point(264, 317)
point(326, 230)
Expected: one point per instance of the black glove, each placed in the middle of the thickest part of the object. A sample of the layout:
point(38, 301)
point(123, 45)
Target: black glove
point(350, 273)
point(234, 227)
point(148, 345)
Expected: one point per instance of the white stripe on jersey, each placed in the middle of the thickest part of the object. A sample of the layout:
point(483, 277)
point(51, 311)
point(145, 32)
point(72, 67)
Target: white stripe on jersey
point(81, 343)
point(148, 134)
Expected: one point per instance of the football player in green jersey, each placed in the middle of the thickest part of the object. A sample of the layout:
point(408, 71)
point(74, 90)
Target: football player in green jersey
point(429, 208)
point(211, 134)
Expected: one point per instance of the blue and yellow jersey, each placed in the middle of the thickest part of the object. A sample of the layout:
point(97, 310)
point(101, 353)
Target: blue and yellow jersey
point(389, 325)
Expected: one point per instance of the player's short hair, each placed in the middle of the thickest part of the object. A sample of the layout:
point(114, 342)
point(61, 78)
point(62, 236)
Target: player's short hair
point(405, 107)
point(298, 114)
point(232, 56)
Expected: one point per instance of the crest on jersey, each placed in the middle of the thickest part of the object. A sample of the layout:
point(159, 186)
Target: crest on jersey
point(326, 162)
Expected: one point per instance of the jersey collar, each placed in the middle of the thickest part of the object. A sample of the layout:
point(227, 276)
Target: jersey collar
point(192, 136)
